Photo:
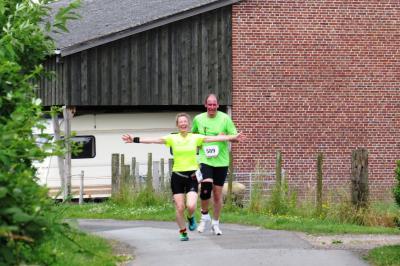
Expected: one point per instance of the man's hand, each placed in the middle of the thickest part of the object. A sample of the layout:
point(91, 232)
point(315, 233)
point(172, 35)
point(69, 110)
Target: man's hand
point(240, 137)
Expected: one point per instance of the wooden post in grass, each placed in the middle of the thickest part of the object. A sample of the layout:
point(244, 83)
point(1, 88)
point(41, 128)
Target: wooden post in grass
point(149, 178)
point(156, 175)
point(133, 172)
point(114, 174)
point(162, 181)
point(320, 159)
point(278, 168)
point(81, 188)
point(359, 177)
point(170, 167)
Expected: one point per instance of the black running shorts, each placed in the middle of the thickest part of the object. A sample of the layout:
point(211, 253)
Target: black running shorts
point(184, 182)
point(217, 174)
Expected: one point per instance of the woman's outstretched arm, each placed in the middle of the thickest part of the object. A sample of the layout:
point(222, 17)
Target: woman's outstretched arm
point(129, 139)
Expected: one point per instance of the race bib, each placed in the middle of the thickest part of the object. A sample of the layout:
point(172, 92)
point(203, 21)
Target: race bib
point(211, 151)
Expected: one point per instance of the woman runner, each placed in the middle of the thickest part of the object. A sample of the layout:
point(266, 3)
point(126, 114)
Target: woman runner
point(183, 179)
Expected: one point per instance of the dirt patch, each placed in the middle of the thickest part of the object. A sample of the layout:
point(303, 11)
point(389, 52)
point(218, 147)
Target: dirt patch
point(350, 241)
point(125, 251)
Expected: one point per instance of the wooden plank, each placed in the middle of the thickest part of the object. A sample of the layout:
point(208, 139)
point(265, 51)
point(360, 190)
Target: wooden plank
point(133, 63)
point(174, 66)
point(84, 78)
point(213, 53)
point(53, 79)
point(66, 80)
point(125, 72)
point(195, 61)
point(156, 73)
point(227, 84)
point(142, 69)
point(75, 79)
point(92, 76)
point(204, 56)
point(105, 57)
point(165, 66)
point(185, 58)
point(115, 74)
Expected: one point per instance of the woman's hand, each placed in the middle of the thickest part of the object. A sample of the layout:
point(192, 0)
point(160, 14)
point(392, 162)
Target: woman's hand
point(127, 138)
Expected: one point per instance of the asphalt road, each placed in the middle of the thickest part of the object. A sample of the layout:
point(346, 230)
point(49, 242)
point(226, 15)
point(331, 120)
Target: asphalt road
point(157, 243)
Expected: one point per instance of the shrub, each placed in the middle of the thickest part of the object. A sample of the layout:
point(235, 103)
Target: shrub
point(24, 207)
point(396, 189)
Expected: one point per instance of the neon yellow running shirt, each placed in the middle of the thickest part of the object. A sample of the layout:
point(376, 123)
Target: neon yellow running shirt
point(184, 150)
point(221, 123)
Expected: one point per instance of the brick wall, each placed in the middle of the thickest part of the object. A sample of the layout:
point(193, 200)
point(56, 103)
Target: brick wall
point(317, 76)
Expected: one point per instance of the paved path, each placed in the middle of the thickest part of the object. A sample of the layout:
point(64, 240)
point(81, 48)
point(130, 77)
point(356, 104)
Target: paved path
point(157, 243)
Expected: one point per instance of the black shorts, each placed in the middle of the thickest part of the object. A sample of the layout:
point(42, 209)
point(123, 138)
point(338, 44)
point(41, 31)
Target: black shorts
point(183, 185)
point(217, 174)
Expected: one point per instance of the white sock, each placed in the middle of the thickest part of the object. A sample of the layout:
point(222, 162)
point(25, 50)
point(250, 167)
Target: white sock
point(205, 216)
point(215, 222)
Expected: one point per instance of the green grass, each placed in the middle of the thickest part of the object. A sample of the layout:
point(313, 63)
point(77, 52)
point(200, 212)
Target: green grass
point(77, 249)
point(111, 210)
point(166, 212)
point(385, 256)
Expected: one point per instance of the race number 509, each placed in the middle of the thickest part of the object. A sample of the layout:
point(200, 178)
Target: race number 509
point(211, 151)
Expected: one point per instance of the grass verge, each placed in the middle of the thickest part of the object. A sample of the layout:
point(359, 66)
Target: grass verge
point(384, 256)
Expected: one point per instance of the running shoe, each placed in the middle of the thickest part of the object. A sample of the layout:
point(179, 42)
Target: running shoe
point(192, 224)
point(204, 224)
point(216, 230)
point(183, 236)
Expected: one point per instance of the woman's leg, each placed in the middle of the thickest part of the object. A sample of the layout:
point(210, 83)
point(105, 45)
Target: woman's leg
point(179, 200)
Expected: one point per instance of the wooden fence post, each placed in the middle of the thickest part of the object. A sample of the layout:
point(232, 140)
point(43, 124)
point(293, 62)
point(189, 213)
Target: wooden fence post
point(81, 188)
point(156, 175)
point(320, 159)
point(278, 168)
point(359, 177)
point(133, 172)
point(114, 174)
point(149, 178)
point(162, 184)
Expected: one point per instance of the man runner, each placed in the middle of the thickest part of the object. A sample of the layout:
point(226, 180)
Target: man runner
point(214, 160)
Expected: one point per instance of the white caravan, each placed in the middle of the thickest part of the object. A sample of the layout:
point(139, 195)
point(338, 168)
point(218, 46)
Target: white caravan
point(107, 130)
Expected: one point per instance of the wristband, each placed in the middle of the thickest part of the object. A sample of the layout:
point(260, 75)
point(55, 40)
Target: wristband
point(136, 140)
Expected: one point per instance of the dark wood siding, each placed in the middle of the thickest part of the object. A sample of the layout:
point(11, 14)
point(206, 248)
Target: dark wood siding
point(176, 64)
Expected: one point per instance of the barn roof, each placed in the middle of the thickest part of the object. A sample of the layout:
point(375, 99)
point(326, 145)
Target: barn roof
point(104, 21)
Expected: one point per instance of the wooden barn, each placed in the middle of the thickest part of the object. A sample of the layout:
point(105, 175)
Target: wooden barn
point(129, 67)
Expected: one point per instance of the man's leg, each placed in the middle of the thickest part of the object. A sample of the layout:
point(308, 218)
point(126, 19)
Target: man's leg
point(219, 180)
point(205, 195)
point(217, 201)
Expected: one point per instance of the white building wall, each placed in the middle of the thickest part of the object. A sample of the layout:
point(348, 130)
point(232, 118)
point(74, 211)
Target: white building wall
point(108, 129)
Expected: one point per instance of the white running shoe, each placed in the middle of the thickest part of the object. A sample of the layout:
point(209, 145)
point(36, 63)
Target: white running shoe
point(216, 230)
point(204, 223)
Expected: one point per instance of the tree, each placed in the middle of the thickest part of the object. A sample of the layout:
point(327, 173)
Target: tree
point(24, 205)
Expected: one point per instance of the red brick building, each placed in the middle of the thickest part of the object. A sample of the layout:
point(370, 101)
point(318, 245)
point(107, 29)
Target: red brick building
point(317, 76)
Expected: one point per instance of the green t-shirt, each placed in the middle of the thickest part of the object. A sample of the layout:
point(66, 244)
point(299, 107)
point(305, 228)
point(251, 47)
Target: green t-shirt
point(184, 150)
point(221, 123)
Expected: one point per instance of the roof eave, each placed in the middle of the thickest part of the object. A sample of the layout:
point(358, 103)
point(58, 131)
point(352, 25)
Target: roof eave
point(144, 27)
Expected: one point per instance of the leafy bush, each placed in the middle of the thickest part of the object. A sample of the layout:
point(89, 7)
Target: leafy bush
point(396, 189)
point(24, 206)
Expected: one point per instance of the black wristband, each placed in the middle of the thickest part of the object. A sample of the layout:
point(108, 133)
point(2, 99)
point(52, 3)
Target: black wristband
point(136, 140)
